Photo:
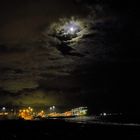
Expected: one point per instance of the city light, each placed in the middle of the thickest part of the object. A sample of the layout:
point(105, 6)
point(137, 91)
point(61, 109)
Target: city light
point(52, 108)
point(26, 114)
point(104, 114)
point(3, 108)
point(41, 114)
point(32, 114)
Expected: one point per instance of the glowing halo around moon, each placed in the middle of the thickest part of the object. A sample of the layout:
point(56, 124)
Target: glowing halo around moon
point(71, 28)
point(69, 31)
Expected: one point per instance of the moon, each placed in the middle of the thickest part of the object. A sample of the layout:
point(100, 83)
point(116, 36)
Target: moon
point(72, 30)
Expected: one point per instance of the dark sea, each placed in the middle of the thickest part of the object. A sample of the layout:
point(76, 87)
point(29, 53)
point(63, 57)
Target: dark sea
point(68, 128)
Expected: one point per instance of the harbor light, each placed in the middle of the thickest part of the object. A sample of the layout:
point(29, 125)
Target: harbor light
point(3, 108)
point(104, 114)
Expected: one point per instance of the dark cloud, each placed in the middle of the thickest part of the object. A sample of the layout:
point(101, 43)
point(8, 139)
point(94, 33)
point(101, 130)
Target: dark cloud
point(33, 98)
point(41, 98)
point(28, 65)
point(38, 69)
point(22, 21)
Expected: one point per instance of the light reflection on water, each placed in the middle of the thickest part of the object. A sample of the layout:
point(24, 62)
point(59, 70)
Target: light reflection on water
point(82, 119)
point(96, 120)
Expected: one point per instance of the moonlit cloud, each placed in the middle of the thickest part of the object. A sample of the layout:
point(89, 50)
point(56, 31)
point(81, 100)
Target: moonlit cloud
point(18, 85)
point(38, 66)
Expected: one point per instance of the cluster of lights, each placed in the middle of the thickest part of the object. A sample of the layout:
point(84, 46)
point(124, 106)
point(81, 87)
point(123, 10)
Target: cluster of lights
point(26, 114)
point(30, 114)
point(103, 114)
point(81, 111)
point(52, 108)
point(41, 114)
point(3, 111)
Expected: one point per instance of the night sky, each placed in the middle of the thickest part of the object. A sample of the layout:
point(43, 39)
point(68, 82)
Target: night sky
point(100, 70)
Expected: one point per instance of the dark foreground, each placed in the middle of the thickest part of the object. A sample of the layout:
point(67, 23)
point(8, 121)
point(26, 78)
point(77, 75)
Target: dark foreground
point(18, 129)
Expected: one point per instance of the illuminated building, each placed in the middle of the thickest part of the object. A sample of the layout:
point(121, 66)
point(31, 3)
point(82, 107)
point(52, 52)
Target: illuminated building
point(80, 111)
